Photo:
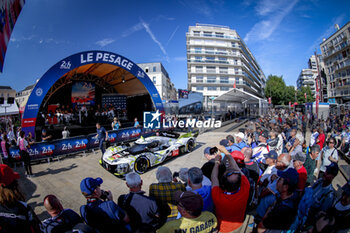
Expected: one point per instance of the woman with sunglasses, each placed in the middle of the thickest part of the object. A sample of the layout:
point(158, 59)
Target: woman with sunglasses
point(328, 155)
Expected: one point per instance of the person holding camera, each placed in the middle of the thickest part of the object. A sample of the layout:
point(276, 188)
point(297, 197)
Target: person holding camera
point(101, 212)
point(230, 193)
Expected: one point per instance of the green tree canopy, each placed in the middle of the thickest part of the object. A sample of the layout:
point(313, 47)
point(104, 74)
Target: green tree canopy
point(301, 95)
point(275, 88)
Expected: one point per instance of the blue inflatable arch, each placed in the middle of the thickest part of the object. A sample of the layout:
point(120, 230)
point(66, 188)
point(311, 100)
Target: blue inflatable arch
point(100, 64)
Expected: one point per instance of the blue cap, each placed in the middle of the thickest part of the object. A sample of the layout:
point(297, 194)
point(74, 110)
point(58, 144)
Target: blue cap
point(224, 142)
point(272, 154)
point(88, 185)
point(291, 175)
point(207, 150)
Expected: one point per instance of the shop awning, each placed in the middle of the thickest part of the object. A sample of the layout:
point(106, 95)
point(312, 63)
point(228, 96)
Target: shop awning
point(238, 96)
point(8, 109)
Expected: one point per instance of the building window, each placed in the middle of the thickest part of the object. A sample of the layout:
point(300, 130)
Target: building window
point(196, 33)
point(199, 88)
point(199, 79)
point(208, 34)
point(146, 69)
point(211, 69)
point(154, 69)
point(220, 35)
point(212, 88)
point(211, 79)
point(223, 70)
point(154, 80)
point(223, 79)
point(199, 69)
point(224, 88)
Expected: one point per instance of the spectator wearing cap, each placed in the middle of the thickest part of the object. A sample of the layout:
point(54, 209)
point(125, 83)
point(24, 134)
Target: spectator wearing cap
point(341, 209)
point(230, 195)
point(239, 145)
point(195, 181)
point(328, 155)
point(140, 208)
point(323, 193)
point(281, 213)
point(44, 136)
point(208, 154)
point(61, 220)
point(310, 164)
point(262, 148)
point(15, 214)
point(101, 212)
point(270, 160)
point(298, 162)
point(193, 219)
point(163, 190)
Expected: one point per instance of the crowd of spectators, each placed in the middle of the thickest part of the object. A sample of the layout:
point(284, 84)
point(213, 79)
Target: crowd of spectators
point(265, 170)
point(80, 115)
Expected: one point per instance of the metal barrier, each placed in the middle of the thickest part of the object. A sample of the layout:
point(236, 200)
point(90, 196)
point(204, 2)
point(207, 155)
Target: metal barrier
point(45, 150)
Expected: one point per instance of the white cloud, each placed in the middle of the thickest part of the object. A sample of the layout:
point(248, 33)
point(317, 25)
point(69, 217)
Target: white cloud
point(153, 37)
point(172, 35)
point(180, 58)
point(276, 13)
point(133, 29)
point(104, 42)
point(201, 7)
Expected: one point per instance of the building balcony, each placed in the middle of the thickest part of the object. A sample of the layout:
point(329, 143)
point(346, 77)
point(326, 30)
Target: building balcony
point(214, 36)
point(197, 61)
point(224, 54)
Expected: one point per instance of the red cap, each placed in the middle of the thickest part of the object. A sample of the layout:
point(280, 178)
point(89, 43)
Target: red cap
point(7, 175)
point(238, 156)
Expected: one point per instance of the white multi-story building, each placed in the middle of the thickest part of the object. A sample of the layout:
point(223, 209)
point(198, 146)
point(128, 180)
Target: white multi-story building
point(217, 58)
point(336, 57)
point(159, 76)
point(306, 78)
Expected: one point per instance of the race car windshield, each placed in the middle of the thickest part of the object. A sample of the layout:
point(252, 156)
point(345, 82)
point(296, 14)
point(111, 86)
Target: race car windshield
point(139, 148)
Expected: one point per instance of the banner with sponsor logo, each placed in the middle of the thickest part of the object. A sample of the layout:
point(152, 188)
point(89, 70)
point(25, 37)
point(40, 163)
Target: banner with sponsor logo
point(83, 93)
point(44, 150)
point(74, 61)
point(9, 12)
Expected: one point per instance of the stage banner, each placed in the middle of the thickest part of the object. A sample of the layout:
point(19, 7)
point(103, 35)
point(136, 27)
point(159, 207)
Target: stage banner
point(83, 93)
point(9, 12)
point(72, 62)
point(44, 150)
point(115, 100)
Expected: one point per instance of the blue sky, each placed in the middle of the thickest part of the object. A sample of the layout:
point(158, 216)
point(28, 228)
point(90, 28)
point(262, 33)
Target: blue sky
point(281, 34)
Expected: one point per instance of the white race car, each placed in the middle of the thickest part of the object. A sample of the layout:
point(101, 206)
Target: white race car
point(147, 152)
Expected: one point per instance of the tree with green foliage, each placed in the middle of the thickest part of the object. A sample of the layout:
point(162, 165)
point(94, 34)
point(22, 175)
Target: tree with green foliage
point(301, 95)
point(275, 88)
point(289, 95)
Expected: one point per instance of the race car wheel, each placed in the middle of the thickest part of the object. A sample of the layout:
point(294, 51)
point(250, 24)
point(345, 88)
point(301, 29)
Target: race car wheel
point(141, 165)
point(190, 145)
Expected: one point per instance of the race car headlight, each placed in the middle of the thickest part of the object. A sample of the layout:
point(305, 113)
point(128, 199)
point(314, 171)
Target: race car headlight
point(122, 168)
